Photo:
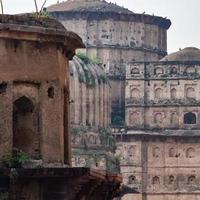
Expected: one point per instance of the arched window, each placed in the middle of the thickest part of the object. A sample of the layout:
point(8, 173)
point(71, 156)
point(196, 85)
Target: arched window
point(131, 151)
point(156, 152)
point(132, 179)
point(155, 180)
point(158, 118)
point(158, 71)
point(190, 153)
point(135, 71)
point(190, 70)
point(133, 118)
point(135, 93)
point(191, 180)
point(174, 118)
point(173, 93)
point(172, 152)
point(190, 92)
point(174, 70)
point(158, 93)
point(171, 179)
point(190, 118)
point(51, 92)
point(25, 127)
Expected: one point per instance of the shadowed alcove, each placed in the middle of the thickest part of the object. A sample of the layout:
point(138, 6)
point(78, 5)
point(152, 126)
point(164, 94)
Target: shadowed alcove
point(26, 127)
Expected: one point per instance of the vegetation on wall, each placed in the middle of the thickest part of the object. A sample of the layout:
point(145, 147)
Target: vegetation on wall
point(16, 159)
point(89, 78)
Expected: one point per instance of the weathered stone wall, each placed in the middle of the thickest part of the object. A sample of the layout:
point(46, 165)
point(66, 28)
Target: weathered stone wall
point(119, 42)
point(116, 38)
point(34, 86)
point(171, 166)
point(159, 95)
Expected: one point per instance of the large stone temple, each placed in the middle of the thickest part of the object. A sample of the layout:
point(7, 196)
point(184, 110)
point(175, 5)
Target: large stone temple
point(154, 99)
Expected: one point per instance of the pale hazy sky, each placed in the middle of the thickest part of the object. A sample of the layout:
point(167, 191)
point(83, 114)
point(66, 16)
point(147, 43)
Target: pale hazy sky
point(184, 14)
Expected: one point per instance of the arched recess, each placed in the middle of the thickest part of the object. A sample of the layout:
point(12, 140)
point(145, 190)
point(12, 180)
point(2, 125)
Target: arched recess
point(171, 179)
point(172, 152)
point(135, 70)
point(158, 93)
point(155, 180)
point(190, 92)
point(159, 71)
point(190, 118)
point(26, 127)
point(174, 118)
point(132, 179)
point(135, 93)
point(191, 179)
point(173, 93)
point(133, 118)
point(190, 153)
point(156, 152)
point(158, 118)
point(190, 70)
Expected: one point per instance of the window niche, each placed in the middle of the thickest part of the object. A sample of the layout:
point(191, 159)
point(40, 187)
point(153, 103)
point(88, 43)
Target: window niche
point(158, 118)
point(158, 93)
point(156, 180)
point(191, 180)
point(156, 152)
point(173, 93)
point(158, 71)
point(174, 118)
point(190, 118)
point(3, 87)
point(173, 70)
point(190, 153)
point(135, 93)
point(132, 180)
point(190, 92)
point(135, 70)
point(171, 179)
point(51, 92)
point(26, 127)
point(172, 152)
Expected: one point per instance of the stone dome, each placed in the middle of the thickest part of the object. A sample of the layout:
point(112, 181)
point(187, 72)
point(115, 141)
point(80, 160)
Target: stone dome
point(101, 10)
point(186, 54)
point(88, 6)
point(89, 93)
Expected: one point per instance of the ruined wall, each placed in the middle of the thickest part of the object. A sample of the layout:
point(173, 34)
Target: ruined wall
point(164, 167)
point(33, 88)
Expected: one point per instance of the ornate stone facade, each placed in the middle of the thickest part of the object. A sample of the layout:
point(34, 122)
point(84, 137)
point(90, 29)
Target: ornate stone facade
point(115, 35)
point(159, 153)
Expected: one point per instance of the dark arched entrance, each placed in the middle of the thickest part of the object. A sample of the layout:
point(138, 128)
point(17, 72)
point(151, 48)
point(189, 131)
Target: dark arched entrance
point(190, 118)
point(26, 127)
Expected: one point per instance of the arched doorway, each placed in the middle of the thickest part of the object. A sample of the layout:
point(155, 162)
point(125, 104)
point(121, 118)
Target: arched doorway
point(26, 127)
point(190, 118)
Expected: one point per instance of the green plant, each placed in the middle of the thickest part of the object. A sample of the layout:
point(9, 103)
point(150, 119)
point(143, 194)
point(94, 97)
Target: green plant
point(83, 57)
point(16, 160)
point(96, 60)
